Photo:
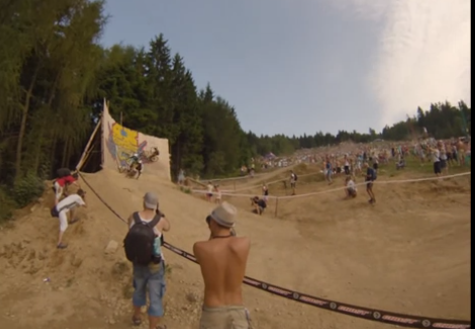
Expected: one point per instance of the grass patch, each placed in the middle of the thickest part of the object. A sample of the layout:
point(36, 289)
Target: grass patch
point(27, 189)
point(185, 189)
point(7, 205)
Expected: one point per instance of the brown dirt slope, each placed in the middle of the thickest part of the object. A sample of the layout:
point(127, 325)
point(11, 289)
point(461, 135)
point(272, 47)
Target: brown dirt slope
point(410, 253)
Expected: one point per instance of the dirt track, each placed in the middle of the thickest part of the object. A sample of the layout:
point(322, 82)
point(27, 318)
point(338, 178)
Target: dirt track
point(410, 253)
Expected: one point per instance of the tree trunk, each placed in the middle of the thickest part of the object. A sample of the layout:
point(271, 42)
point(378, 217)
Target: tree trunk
point(26, 108)
point(43, 124)
point(65, 153)
point(53, 154)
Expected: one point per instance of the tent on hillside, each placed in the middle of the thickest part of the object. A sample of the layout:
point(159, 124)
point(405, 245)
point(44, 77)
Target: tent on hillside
point(270, 156)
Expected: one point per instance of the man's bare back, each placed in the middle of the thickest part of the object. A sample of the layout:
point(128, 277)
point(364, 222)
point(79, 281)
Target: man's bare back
point(223, 260)
point(223, 266)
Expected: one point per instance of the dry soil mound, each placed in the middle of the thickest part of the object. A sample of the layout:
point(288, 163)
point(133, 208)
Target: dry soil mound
point(410, 253)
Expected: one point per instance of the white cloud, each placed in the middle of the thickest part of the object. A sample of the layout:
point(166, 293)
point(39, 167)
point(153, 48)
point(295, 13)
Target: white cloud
point(423, 54)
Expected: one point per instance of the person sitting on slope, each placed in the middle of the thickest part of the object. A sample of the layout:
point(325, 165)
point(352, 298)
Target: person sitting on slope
point(259, 205)
point(350, 187)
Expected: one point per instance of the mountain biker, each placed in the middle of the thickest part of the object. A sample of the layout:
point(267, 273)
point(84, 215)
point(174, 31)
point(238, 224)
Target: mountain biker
point(138, 169)
point(133, 160)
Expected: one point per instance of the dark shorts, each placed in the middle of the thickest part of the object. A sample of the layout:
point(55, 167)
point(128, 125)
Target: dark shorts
point(369, 184)
point(437, 167)
point(347, 170)
point(375, 166)
point(443, 164)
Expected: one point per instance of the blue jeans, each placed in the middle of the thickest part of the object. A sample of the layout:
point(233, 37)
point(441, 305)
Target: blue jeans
point(152, 279)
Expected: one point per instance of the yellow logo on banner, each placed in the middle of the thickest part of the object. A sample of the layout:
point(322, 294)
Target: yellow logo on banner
point(124, 142)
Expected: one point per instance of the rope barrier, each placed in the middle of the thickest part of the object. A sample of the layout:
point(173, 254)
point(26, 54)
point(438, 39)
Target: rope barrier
point(403, 320)
point(398, 181)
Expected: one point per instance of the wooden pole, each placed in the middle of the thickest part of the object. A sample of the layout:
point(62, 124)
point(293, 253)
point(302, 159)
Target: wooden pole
point(88, 145)
point(103, 146)
point(276, 206)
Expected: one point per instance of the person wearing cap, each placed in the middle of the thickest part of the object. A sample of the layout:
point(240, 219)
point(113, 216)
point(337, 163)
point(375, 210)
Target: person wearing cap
point(223, 260)
point(150, 277)
point(61, 211)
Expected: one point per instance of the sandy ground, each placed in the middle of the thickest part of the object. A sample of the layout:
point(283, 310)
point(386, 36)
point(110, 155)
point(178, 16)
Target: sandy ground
point(409, 253)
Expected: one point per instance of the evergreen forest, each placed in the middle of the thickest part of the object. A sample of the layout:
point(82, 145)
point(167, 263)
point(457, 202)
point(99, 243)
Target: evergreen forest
point(54, 75)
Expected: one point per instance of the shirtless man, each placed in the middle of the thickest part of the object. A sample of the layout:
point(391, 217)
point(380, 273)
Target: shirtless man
point(223, 260)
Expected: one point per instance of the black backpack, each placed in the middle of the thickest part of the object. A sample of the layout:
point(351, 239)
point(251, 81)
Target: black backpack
point(375, 175)
point(139, 241)
point(295, 177)
point(63, 172)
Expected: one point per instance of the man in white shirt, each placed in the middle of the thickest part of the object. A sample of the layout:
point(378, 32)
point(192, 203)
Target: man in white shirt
point(61, 211)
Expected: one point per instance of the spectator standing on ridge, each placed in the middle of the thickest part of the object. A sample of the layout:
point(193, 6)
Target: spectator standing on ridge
point(444, 167)
point(181, 177)
point(143, 248)
point(328, 171)
point(293, 181)
point(223, 260)
point(265, 192)
point(61, 211)
point(217, 192)
point(370, 178)
point(436, 161)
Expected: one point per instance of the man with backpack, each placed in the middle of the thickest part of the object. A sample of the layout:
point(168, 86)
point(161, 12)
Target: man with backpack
point(61, 211)
point(370, 178)
point(142, 246)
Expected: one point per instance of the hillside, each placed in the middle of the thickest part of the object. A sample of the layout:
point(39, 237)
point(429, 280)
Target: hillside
point(410, 253)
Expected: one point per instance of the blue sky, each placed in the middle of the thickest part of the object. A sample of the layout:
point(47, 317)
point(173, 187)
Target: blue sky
point(302, 66)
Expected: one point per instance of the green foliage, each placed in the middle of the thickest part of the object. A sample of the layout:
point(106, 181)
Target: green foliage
point(27, 189)
point(442, 121)
point(6, 205)
point(54, 76)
